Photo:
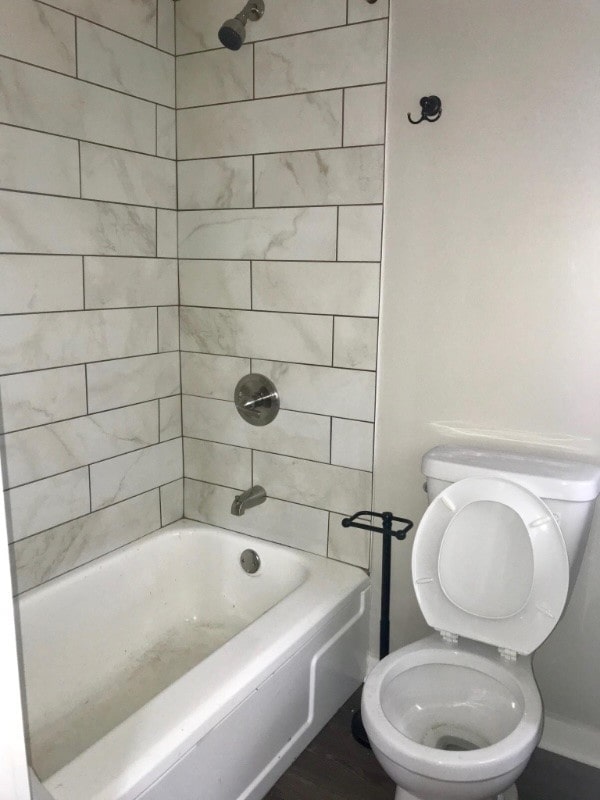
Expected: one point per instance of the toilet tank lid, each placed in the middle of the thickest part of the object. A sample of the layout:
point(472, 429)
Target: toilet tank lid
point(549, 478)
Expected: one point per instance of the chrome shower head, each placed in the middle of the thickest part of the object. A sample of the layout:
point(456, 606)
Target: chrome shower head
point(233, 32)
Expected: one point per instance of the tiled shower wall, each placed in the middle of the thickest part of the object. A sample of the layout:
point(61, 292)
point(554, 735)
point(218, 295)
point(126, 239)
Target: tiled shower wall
point(89, 341)
point(280, 180)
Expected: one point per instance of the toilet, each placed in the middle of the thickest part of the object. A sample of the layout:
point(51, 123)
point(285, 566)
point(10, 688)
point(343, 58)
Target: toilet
point(457, 715)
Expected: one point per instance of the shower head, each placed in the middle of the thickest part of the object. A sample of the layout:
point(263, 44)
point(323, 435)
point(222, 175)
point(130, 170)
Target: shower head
point(233, 32)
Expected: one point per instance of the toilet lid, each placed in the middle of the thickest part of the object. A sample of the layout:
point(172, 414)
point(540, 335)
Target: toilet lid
point(489, 562)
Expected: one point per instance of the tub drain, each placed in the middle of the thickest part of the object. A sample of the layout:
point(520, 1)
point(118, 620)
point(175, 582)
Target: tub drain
point(250, 561)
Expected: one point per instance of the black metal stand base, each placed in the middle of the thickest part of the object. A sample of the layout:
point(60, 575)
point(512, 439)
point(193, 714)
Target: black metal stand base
point(358, 730)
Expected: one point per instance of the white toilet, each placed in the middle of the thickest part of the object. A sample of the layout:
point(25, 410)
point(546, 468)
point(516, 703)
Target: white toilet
point(452, 718)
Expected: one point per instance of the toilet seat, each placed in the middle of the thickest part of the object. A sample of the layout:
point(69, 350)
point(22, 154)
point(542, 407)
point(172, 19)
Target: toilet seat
point(489, 562)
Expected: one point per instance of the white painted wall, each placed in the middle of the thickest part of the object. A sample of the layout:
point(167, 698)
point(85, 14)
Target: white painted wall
point(491, 281)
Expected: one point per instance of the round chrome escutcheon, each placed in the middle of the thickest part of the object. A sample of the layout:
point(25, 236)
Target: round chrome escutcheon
point(250, 561)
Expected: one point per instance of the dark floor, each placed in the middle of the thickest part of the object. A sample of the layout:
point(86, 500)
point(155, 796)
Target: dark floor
point(335, 767)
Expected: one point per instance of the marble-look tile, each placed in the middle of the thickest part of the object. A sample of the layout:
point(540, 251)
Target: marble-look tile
point(216, 183)
point(43, 504)
point(171, 502)
point(316, 287)
point(38, 162)
point(360, 11)
point(212, 376)
point(355, 343)
point(320, 177)
point(359, 233)
point(275, 521)
point(168, 328)
point(38, 34)
point(47, 101)
point(217, 463)
point(265, 233)
point(170, 417)
point(301, 122)
point(166, 132)
point(112, 384)
point(118, 62)
point(291, 433)
point(134, 473)
point(40, 558)
point(124, 177)
point(322, 390)
point(114, 282)
point(40, 283)
point(350, 545)
point(217, 76)
point(220, 284)
point(63, 225)
point(319, 485)
point(166, 234)
point(345, 56)
point(255, 334)
point(364, 115)
point(41, 341)
point(166, 25)
point(198, 23)
point(136, 18)
point(37, 398)
point(37, 453)
point(352, 443)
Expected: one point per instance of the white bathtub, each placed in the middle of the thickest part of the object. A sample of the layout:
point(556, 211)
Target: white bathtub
point(165, 672)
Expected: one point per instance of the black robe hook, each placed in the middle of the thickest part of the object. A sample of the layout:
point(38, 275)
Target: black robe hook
point(431, 110)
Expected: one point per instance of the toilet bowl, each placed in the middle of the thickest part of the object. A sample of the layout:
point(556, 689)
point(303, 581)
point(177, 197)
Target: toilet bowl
point(457, 715)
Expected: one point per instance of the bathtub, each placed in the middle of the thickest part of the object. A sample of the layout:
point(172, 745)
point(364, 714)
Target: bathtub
point(166, 671)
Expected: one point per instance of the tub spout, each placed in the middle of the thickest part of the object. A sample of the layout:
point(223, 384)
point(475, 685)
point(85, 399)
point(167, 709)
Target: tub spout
point(252, 497)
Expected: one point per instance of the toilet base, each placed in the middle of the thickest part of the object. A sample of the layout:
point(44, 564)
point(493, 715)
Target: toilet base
point(508, 794)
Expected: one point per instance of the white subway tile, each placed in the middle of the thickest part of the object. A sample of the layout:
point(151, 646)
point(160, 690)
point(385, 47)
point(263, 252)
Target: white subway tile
point(134, 473)
point(40, 558)
point(38, 162)
point(216, 183)
point(40, 35)
point(120, 63)
point(63, 225)
point(212, 376)
point(320, 177)
point(290, 233)
point(166, 25)
point(221, 284)
point(218, 463)
point(60, 446)
point(136, 18)
point(132, 380)
point(37, 506)
point(352, 444)
point(114, 282)
point(59, 104)
point(37, 398)
point(316, 287)
point(198, 23)
point(291, 433)
point(275, 521)
point(350, 545)
point(171, 501)
point(318, 485)
point(364, 115)
point(166, 234)
point(166, 133)
point(261, 126)
point(361, 11)
point(255, 334)
point(123, 177)
point(40, 341)
point(168, 328)
point(344, 56)
point(40, 283)
point(359, 233)
point(170, 416)
point(355, 343)
point(218, 76)
point(322, 390)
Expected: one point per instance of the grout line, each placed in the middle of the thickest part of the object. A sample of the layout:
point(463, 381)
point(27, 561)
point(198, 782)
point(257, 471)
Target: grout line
point(301, 150)
point(76, 26)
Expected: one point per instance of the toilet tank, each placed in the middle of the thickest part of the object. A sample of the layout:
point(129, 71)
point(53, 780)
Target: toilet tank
point(569, 488)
